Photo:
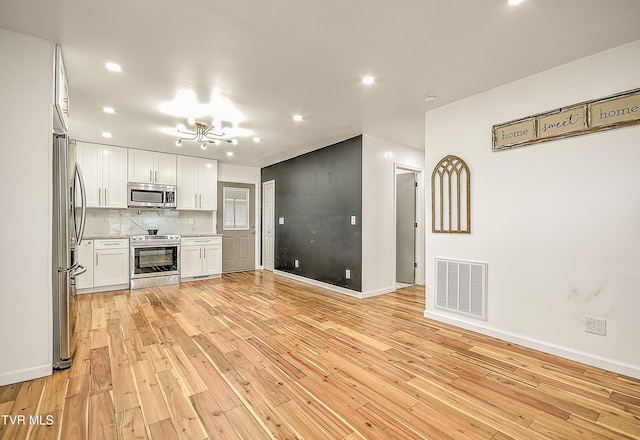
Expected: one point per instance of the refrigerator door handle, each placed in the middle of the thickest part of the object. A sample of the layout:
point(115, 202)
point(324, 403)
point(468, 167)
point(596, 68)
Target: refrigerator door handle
point(79, 269)
point(80, 231)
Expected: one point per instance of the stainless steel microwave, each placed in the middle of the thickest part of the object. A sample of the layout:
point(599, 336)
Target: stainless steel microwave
point(151, 195)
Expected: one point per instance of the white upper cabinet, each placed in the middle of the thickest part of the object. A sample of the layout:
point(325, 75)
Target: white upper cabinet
point(165, 166)
point(61, 98)
point(152, 167)
point(104, 169)
point(208, 184)
point(197, 183)
point(187, 183)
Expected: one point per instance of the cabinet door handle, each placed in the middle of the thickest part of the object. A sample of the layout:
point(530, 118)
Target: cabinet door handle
point(196, 197)
point(200, 200)
point(200, 253)
point(205, 253)
point(105, 197)
point(156, 177)
point(97, 262)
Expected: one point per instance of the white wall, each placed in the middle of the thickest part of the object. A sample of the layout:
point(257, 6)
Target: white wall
point(251, 175)
point(556, 222)
point(378, 211)
point(26, 87)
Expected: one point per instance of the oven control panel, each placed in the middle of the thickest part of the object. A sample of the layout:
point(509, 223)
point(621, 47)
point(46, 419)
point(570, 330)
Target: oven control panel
point(154, 237)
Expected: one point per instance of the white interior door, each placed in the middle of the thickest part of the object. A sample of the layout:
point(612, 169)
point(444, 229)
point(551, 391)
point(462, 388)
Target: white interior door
point(268, 221)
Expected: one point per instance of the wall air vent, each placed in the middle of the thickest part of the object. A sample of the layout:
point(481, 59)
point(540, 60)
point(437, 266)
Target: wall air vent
point(461, 287)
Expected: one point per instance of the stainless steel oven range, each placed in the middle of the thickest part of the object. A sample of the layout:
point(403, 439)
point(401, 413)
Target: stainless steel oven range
point(155, 260)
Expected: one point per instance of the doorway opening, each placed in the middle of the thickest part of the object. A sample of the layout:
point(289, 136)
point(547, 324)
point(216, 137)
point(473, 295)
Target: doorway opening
point(406, 225)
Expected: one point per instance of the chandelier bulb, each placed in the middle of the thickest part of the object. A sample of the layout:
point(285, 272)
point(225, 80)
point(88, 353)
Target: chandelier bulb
point(217, 142)
point(178, 143)
point(203, 146)
point(191, 121)
point(234, 141)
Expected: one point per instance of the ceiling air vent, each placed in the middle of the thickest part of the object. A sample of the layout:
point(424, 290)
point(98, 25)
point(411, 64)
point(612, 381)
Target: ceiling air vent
point(461, 287)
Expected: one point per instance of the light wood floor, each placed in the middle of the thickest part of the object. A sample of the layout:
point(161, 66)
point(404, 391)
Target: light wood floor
point(256, 356)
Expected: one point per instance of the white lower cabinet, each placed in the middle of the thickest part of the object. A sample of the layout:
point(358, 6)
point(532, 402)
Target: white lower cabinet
point(107, 263)
point(111, 263)
point(200, 257)
point(85, 259)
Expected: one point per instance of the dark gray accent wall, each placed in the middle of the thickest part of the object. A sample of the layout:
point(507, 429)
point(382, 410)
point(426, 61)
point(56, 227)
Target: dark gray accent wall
point(316, 195)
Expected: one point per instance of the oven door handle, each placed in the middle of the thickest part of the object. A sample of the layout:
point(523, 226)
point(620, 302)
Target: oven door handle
point(154, 244)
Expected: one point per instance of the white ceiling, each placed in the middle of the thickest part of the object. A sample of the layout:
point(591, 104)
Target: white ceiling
point(276, 58)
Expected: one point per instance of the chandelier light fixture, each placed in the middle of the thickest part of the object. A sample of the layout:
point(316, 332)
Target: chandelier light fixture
point(203, 135)
point(225, 119)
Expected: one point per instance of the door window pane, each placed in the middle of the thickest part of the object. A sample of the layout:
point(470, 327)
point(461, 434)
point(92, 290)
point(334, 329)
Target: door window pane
point(236, 208)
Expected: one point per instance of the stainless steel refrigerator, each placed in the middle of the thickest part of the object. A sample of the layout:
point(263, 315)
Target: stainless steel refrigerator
point(69, 214)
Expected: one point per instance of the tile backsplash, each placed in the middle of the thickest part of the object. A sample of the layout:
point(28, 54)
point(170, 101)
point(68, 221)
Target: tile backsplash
point(123, 222)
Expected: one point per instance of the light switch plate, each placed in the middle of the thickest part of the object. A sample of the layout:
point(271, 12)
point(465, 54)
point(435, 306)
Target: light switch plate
point(281, 220)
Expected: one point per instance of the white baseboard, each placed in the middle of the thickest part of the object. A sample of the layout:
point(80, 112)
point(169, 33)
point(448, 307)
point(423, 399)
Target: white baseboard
point(372, 293)
point(317, 283)
point(28, 374)
point(556, 350)
point(102, 289)
point(344, 291)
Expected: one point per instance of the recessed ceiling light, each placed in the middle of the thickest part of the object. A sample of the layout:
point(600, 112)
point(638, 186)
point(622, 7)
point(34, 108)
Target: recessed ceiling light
point(106, 134)
point(515, 2)
point(297, 118)
point(368, 80)
point(114, 67)
point(108, 109)
point(257, 139)
point(430, 98)
point(229, 153)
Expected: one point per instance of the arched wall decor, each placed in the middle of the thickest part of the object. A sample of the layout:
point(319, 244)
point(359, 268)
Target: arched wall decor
point(451, 196)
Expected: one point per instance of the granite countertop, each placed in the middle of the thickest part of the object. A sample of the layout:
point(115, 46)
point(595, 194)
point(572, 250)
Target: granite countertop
point(106, 237)
point(126, 237)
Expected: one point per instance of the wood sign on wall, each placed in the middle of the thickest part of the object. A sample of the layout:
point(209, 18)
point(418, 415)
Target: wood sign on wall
point(615, 111)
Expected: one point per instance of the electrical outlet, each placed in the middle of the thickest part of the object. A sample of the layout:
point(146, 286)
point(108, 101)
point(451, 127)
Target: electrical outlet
point(296, 263)
point(353, 219)
point(281, 220)
point(601, 327)
point(595, 326)
point(347, 274)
